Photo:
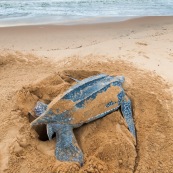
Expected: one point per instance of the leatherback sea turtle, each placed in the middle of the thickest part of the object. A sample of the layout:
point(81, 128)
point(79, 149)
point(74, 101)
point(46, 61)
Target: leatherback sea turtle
point(88, 100)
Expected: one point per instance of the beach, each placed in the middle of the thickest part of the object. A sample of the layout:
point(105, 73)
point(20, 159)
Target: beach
point(35, 62)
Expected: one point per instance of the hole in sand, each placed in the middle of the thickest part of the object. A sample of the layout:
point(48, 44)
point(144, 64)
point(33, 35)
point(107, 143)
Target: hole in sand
point(40, 129)
point(42, 132)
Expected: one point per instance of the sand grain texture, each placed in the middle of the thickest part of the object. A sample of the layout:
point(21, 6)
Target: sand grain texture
point(106, 143)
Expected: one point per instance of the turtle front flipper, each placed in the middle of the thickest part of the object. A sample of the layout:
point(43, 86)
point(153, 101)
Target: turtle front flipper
point(127, 114)
point(67, 148)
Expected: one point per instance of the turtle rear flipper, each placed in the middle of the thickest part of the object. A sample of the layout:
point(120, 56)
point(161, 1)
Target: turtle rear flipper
point(67, 148)
point(127, 114)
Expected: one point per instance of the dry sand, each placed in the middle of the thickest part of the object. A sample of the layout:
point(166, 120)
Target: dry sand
point(139, 49)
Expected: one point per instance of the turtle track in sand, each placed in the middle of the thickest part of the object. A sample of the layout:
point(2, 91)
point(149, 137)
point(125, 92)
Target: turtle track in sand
point(106, 143)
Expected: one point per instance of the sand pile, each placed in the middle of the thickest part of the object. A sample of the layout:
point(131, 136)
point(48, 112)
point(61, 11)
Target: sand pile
point(101, 140)
point(107, 144)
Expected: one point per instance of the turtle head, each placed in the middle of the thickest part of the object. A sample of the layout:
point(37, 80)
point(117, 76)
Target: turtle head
point(46, 118)
point(50, 117)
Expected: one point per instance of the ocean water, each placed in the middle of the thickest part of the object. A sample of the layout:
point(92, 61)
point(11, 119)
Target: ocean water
point(16, 12)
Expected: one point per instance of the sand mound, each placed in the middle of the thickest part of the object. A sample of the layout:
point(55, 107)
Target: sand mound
point(106, 139)
point(106, 143)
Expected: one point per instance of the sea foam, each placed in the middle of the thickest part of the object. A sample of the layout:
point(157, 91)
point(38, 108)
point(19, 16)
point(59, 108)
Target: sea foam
point(59, 11)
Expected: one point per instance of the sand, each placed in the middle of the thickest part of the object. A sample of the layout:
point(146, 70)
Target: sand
point(107, 144)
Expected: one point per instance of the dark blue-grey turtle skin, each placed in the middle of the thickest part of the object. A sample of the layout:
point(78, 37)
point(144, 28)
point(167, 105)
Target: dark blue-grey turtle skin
point(62, 122)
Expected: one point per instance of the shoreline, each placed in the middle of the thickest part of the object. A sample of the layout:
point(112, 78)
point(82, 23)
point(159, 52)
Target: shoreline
point(86, 21)
point(23, 22)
